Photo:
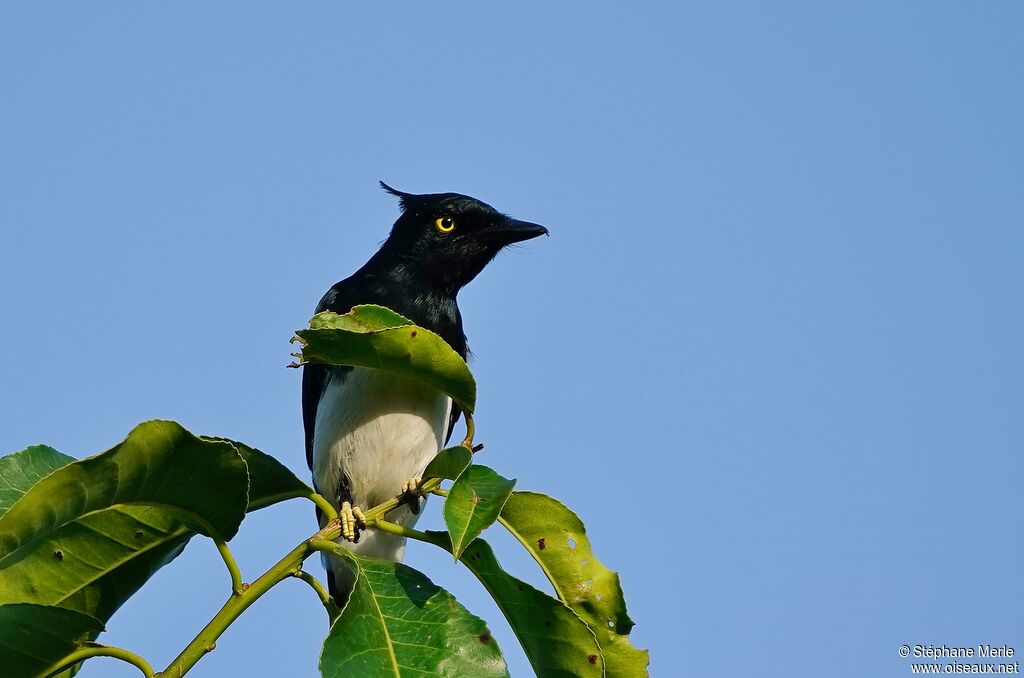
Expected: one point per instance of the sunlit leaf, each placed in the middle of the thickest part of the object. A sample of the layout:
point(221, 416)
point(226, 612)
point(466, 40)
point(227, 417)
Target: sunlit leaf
point(22, 470)
point(556, 641)
point(398, 623)
point(556, 538)
point(473, 504)
point(36, 638)
point(376, 337)
point(449, 463)
point(364, 318)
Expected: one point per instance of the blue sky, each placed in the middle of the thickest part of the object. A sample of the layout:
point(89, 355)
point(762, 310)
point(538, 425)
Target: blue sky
point(771, 352)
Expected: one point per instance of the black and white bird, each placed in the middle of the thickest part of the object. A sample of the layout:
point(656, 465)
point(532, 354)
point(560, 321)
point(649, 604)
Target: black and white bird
point(370, 432)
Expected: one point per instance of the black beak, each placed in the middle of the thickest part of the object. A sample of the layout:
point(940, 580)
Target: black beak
point(512, 230)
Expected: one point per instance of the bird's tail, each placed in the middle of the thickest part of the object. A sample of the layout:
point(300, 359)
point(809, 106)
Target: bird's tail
point(340, 580)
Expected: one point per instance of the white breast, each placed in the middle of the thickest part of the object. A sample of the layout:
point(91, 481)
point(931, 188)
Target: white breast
point(378, 429)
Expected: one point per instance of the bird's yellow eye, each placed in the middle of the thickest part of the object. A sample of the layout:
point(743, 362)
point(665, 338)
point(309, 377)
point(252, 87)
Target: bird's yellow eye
point(445, 224)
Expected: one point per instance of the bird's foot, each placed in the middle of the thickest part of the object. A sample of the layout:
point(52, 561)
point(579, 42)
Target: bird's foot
point(352, 520)
point(411, 493)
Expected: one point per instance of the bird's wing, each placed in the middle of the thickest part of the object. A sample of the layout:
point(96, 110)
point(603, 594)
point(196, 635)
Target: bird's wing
point(313, 378)
point(454, 417)
point(339, 299)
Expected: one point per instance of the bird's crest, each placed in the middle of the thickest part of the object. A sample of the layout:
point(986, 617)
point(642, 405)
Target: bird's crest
point(404, 199)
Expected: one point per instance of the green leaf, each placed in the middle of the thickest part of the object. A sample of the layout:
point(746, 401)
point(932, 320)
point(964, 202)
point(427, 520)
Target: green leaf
point(473, 504)
point(35, 639)
point(449, 463)
point(94, 563)
point(556, 641)
point(556, 538)
point(398, 623)
point(22, 470)
point(89, 534)
point(364, 318)
point(270, 481)
point(158, 464)
point(376, 337)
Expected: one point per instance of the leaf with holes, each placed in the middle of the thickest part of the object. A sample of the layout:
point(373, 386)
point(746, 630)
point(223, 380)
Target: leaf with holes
point(90, 533)
point(556, 641)
point(35, 639)
point(556, 538)
point(473, 504)
point(376, 337)
point(96, 561)
point(363, 318)
point(398, 623)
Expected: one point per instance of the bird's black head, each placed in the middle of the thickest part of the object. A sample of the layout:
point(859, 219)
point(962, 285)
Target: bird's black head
point(448, 238)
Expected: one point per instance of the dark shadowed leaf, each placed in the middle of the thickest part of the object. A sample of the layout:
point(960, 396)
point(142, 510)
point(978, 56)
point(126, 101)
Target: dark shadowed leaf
point(372, 336)
point(556, 538)
point(556, 641)
point(88, 535)
point(449, 463)
point(159, 464)
point(35, 638)
point(94, 563)
point(22, 470)
point(473, 504)
point(269, 480)
point(398, 623)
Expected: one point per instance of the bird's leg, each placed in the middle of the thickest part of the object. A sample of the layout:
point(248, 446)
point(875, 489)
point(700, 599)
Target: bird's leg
point(411, 493)
point(352, 519)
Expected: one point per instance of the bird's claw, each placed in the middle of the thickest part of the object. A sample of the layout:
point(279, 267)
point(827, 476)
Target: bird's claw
point(352, 519)
point(411, 493)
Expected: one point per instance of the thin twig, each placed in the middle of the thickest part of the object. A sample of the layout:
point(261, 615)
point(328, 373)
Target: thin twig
point(96, 650)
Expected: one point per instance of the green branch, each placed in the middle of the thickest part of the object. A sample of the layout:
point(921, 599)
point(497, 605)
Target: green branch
point(289, 566)
point(235, 606)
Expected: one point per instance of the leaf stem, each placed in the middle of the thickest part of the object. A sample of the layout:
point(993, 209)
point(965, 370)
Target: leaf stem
point(470, 432)
point(96, 650)
point(402, 531)
point(321, 592)
point(325, 506)
point(237, 585)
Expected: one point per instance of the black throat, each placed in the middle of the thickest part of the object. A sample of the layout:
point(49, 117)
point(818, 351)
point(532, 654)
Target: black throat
point(403, 289)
